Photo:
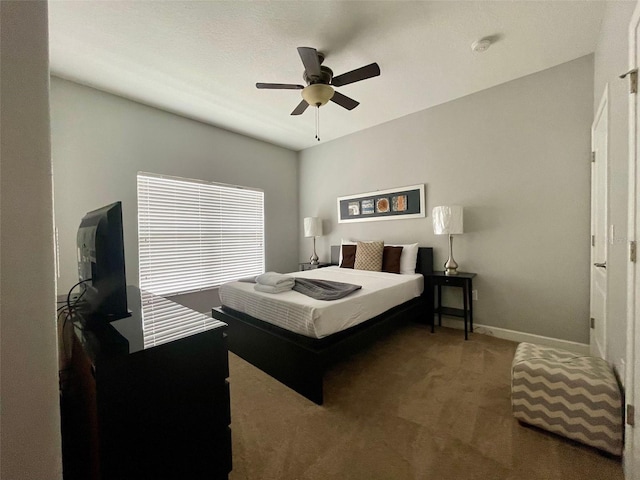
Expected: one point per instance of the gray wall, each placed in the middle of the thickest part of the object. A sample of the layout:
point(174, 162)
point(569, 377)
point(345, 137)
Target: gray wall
point(516, 156)
point(611, 60)
point(100, 141)
point(30, 416)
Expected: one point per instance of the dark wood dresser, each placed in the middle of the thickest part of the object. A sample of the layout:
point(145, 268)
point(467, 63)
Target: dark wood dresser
point(147, 396)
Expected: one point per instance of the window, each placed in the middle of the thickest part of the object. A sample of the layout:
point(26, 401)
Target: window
point(194, 235)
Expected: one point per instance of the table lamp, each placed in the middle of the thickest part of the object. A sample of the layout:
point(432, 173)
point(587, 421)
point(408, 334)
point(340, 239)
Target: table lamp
point(448, 221)
point(313, 228)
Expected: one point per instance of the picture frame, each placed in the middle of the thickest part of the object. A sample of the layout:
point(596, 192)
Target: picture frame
point(391, 204)
point(367, 206)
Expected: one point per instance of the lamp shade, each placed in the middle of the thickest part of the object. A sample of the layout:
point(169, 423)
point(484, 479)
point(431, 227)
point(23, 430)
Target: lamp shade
point(312, 227)
point(447, 220)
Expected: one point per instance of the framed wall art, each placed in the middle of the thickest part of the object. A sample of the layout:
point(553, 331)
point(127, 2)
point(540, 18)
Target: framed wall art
point(393, 204)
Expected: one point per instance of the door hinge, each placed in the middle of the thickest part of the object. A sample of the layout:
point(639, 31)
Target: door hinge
point(633, 80)
point(631, 415)
point(593, 240)
point(593, 157)
point(632, 251)
point(592, 322)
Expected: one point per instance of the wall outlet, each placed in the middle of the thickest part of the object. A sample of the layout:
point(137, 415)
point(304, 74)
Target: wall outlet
point(474, 294)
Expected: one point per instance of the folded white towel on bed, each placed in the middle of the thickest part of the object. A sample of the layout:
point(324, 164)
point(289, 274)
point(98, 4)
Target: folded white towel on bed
point(275, 280)
point(285, 287)
point(251, 279)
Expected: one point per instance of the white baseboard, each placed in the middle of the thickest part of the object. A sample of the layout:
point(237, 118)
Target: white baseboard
point(575, 347)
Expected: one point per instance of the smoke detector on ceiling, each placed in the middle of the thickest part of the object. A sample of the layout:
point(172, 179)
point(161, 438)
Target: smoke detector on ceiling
point(481, 45)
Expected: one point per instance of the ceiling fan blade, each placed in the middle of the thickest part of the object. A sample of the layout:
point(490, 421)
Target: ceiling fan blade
point(299, 110)
point(310, 60)
point(362, 73)
point(344, 101)
point(279, 86)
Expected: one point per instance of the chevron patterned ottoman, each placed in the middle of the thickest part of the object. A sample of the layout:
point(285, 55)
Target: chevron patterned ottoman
point(573, 395)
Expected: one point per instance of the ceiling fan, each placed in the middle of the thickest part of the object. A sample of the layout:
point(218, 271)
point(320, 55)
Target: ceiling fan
point(320, 80)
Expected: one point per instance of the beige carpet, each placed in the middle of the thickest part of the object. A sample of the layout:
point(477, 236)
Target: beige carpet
point(414, 406)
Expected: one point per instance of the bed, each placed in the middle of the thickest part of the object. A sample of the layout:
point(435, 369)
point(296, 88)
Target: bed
point(299, 358)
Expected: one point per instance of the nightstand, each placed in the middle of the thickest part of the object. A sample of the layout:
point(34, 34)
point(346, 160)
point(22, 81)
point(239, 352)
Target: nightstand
point(308, 266)
point(463, 280)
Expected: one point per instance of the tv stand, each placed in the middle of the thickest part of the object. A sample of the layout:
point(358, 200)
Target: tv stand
point(147, 396)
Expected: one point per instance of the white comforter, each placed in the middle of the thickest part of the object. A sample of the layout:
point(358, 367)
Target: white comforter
point(318, 318)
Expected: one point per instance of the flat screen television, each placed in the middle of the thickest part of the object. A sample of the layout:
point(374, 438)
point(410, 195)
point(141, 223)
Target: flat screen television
point(101, 264)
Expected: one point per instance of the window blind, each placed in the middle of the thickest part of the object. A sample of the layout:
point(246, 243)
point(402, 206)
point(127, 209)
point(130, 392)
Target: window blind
point(194, 235)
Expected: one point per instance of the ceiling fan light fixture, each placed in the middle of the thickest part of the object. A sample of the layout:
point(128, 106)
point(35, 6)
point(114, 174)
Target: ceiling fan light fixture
point(317, 94)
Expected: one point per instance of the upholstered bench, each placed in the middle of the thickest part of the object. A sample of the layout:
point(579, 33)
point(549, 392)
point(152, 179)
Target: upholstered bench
point(573, 395)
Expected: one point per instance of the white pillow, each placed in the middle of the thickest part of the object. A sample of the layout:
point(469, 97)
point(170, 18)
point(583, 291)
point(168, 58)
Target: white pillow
point(408, 258)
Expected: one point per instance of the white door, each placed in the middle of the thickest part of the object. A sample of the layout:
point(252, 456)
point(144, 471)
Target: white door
point(599, 243)
point(632, 384)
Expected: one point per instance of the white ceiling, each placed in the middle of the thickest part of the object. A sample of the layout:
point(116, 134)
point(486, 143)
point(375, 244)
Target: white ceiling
point(201, 59)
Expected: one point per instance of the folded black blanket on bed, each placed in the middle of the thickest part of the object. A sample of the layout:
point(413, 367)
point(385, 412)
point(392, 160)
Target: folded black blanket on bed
point(324, 289)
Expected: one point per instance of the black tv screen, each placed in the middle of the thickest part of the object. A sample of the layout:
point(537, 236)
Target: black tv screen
point(101, 263)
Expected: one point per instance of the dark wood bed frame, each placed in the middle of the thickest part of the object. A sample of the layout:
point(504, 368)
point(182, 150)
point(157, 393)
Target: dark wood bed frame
point(300, 362)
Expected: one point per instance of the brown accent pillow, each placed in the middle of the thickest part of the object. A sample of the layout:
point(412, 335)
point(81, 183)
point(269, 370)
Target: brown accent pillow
point(391, 259)
point(348, 256)
point(369, 256)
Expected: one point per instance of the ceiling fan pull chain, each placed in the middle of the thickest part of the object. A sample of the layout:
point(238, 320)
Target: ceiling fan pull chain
point(318, 123)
